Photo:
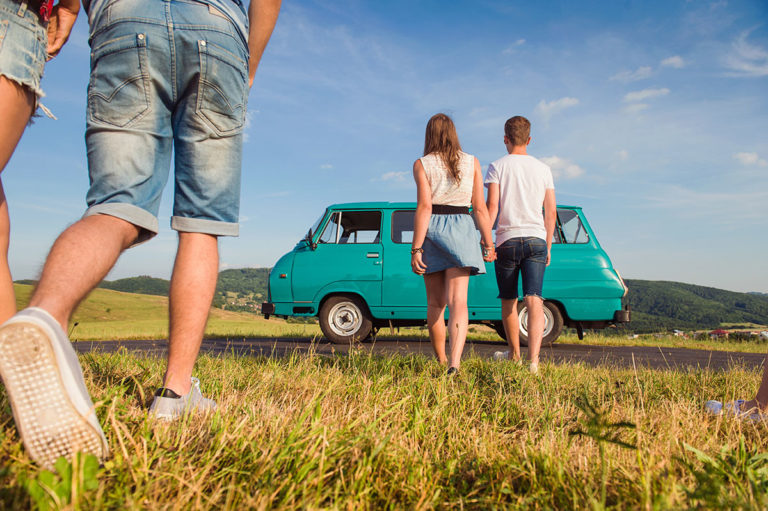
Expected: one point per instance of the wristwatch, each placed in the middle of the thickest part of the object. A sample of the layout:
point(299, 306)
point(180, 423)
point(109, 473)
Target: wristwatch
point(417, 250)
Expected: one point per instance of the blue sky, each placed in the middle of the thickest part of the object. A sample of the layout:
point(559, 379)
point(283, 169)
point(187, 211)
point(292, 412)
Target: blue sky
point(652, 114)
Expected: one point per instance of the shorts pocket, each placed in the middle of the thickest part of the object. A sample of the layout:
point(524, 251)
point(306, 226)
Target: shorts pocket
point(536, 249)
point(222, 99)
point(118, 92)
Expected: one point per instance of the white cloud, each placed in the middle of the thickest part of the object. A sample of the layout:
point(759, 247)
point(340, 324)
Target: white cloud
point(640, 73)
point(642, 95)
point(562, 168)
point(675, 61)
point(394, 176)
point(513, 47)
point(326, 166)
point(747, 59)
point(750, 159)
point(623, 154)
point(635, 108)
point(547, 109)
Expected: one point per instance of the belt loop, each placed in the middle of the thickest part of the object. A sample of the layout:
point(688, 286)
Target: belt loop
point(22, 9)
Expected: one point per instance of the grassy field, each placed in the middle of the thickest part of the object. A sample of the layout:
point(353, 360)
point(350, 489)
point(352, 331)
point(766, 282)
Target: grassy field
point(371, 432)
point(107, 314)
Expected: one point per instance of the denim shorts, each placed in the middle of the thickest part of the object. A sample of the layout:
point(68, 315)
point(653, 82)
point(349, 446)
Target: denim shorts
point(23, 45)
point(168, 77)
point(452, 241)
point(528, 255)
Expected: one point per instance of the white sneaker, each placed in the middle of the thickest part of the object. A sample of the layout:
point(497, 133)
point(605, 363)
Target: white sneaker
point(170, 406)
point(53, 411)
point(733, 409)
point(501, 355)
point(534, 368)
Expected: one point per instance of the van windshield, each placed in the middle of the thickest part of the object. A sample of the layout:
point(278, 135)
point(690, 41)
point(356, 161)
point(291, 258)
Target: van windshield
point(313, 229)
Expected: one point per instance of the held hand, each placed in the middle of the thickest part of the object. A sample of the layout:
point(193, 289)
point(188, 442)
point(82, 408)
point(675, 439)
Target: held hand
point(417, 265)
point(63, 17)
point(489, 252)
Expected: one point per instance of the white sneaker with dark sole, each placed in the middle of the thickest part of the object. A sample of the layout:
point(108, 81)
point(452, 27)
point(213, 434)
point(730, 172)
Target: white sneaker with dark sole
point(53, 411)
point(170, 406)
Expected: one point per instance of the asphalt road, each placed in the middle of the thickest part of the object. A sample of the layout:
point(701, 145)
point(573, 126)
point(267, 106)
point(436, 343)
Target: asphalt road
point(623, 356)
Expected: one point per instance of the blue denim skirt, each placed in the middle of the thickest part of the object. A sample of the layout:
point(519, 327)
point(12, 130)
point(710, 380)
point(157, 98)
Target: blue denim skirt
point(453, 242)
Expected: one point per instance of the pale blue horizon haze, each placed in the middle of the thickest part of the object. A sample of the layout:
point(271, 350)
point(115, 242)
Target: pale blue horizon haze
point(652, 114)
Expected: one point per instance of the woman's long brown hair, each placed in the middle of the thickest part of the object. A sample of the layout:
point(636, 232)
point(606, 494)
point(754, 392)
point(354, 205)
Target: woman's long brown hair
point(441, 138)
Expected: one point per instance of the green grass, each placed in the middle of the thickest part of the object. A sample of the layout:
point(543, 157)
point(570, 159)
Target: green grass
point(372, 432)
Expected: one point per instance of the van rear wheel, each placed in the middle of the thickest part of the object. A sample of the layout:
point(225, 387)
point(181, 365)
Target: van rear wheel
point(553, 324)
point(345, 319)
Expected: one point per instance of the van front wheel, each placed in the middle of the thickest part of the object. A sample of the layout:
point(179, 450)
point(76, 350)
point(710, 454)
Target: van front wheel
point(345, 319)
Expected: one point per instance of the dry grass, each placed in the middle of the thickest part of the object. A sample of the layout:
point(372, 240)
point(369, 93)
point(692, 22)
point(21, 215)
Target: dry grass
point(369, 432)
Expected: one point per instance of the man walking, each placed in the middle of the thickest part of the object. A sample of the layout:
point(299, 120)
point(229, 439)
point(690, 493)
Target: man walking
point(519, 186)
point(167, 77)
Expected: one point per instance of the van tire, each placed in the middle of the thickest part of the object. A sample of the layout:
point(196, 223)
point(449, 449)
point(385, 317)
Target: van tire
point(553, 325)
point(345, 319)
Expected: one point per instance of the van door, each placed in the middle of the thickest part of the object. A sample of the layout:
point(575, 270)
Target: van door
point(403, 292)
point(348, 253)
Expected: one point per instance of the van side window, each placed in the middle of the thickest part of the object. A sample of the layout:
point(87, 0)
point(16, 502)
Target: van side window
point(402, 226)
point(355, 227)
point(569, 227)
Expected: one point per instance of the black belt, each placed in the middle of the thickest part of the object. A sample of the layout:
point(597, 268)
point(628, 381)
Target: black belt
point(443, 209)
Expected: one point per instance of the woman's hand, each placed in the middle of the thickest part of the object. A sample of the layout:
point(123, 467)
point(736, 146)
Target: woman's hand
point(489, 253)
point(417, 264)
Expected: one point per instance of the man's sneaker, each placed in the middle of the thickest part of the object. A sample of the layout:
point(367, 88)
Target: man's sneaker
point(733, 409)
point(53, 411)
point(170, 406)
point(534, 368)
point(501, 355)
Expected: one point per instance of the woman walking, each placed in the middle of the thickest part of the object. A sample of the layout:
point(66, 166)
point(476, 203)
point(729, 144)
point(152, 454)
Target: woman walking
point(446, 248)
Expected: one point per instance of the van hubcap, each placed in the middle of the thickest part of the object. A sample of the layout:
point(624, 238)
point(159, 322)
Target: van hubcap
point(549, 321)
point(345, 319)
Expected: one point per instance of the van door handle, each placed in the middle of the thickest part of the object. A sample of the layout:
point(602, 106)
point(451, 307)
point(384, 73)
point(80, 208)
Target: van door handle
point(372, 255)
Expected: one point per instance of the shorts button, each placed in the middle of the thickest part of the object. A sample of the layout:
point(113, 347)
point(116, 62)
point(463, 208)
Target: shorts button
point(202, 43)
point(141, 36)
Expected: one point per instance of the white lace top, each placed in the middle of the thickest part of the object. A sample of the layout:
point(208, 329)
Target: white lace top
point(444, 189)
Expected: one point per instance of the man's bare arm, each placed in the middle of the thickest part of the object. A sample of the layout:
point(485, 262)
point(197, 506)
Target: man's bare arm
point(550, 218)
point(262, 16)
point(63, 17)
point(493, 202)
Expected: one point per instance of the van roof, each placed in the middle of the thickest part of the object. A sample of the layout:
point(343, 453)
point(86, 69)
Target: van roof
point(397, 205)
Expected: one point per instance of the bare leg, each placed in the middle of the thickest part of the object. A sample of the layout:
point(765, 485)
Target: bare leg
point(761, 399)
point(79, 259)
point(535, 326)
point(436, 301)
point(457, 283)
point(511, 327)
point(7, 294)
point(193, 285)
point(17, 104)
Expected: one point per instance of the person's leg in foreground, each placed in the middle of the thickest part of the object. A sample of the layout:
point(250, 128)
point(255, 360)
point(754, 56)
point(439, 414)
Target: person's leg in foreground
point(532, 267)
point(457, 284)
point(436, 303)
point(754, 409)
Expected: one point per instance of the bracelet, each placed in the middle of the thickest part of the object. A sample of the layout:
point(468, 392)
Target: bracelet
point(418, 250)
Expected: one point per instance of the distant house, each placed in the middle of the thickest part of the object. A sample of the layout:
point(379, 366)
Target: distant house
point(764, 334)
point(678, 333)
point(718, 334)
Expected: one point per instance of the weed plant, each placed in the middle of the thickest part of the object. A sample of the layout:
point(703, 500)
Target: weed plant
point(371, 432)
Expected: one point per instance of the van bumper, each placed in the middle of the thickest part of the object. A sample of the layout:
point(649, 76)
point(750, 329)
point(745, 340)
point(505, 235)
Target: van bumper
point(267, 309)
point(622, 316)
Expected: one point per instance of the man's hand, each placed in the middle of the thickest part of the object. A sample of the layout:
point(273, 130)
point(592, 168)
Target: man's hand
point(549, 256)
point(63, 17)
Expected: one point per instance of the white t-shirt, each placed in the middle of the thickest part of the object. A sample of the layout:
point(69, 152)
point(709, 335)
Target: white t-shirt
point(523, 181)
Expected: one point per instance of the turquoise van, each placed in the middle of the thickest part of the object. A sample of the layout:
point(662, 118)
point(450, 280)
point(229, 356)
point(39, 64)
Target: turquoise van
point(352, 270)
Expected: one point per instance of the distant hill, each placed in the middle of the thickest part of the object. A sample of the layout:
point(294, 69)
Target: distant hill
point(663, 305)
point(143, 285)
